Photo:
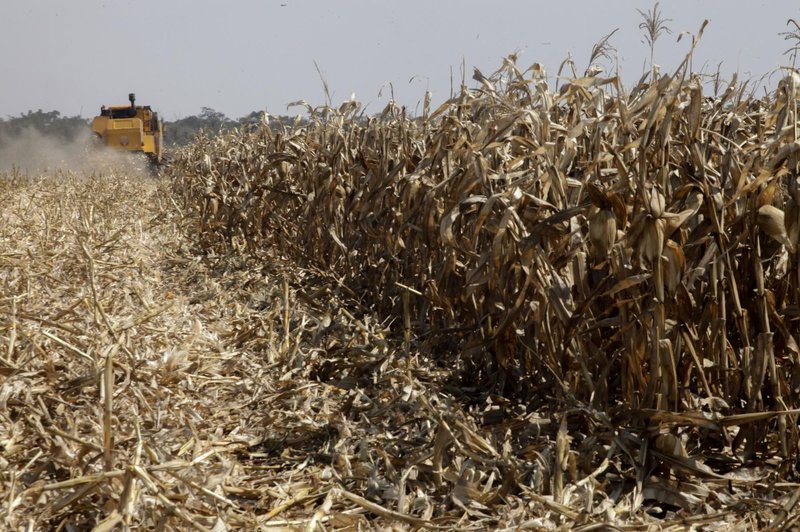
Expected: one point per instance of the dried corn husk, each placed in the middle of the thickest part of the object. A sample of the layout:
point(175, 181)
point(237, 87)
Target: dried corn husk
point(771, 221)
point(602, 232)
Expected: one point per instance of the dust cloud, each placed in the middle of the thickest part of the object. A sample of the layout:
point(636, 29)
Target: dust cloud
point(33, 153)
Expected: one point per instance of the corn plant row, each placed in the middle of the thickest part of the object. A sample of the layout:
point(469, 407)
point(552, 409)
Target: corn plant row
point(620, 249)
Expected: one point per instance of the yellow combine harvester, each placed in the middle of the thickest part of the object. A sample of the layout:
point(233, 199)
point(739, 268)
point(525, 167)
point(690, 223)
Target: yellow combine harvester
point(131, 127)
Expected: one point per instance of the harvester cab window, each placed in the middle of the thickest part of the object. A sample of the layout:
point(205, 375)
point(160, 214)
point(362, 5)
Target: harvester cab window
point(119, 112)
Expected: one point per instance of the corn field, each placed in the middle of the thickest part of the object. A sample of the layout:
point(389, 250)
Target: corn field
point(550, 302)
point(628, 250)
point(628, 255)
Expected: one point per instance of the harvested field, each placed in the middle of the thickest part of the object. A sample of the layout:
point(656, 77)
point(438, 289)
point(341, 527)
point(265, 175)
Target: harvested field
point(532, 307)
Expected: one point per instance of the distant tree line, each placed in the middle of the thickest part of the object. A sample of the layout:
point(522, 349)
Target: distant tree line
point(49, 123)
point(176, 133)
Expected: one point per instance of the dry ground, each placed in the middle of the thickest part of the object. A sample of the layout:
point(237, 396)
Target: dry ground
point(144, 385)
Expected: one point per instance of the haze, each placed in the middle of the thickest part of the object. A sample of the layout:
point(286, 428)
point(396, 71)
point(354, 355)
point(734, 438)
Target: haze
point(243, 56)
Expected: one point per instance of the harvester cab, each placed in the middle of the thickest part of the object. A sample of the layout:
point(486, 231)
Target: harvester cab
point(135, 128)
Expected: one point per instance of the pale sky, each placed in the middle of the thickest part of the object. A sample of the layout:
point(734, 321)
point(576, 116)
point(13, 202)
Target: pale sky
point(240, 56)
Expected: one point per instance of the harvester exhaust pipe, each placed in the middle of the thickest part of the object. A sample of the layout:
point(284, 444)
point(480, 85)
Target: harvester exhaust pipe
point(132, 98)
